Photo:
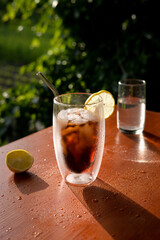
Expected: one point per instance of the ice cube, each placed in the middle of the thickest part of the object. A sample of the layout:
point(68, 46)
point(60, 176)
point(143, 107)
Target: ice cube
point(62, 115)
point(76, 116)
point(89, 116)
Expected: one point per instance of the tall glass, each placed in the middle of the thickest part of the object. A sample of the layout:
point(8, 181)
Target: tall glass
point(78, 134)
point(131, 106)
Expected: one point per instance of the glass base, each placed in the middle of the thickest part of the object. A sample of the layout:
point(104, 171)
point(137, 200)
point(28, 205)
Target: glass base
point(79, 179)
point(129, 131)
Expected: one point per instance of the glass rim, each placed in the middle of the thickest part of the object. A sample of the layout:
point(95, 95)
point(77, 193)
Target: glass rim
point(55, 100)
point(132, 82)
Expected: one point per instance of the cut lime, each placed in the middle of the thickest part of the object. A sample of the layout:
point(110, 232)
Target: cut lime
point(19, 160)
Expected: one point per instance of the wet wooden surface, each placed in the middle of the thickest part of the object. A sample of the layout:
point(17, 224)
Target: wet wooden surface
point(122, 204)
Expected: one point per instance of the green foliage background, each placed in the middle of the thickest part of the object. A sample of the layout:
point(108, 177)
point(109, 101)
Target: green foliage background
point(82, 45)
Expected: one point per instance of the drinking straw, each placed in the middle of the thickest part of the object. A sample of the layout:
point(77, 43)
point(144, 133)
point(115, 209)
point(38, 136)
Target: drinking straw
point(48, 83)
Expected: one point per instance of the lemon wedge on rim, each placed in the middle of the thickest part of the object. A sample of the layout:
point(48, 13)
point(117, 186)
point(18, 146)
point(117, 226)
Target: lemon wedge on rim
point(108, 102)
point(19, 160)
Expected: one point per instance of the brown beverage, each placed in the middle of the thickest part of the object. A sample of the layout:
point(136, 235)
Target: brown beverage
point(79, 138)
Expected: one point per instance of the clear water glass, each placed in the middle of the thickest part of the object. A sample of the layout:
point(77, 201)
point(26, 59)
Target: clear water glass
point(131, 106)
point(78, 136)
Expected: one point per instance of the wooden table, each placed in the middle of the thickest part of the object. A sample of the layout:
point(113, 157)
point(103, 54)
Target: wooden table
point(122, 204)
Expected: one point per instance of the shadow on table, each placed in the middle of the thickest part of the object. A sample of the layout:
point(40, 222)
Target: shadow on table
point(121, 217)
point(148, 140)
point(28, 182)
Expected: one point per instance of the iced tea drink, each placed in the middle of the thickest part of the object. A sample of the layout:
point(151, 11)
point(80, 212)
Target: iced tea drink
point(78, 141)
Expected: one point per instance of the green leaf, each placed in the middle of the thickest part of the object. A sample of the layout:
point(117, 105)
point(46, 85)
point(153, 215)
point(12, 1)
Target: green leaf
point(35, 43)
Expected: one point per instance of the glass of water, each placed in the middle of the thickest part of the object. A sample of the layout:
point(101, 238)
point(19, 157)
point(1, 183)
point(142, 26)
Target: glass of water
point(131, 106)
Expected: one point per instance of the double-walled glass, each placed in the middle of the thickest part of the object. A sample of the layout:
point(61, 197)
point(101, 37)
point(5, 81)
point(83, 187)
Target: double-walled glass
point(78, 134)
point(131, 105)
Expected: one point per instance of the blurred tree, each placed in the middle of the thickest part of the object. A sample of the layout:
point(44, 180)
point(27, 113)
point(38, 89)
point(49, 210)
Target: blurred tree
point(122, 41)
point(93, 44)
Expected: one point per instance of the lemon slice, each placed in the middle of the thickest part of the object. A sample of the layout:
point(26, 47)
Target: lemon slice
point(108, 102)
point(19, 160)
